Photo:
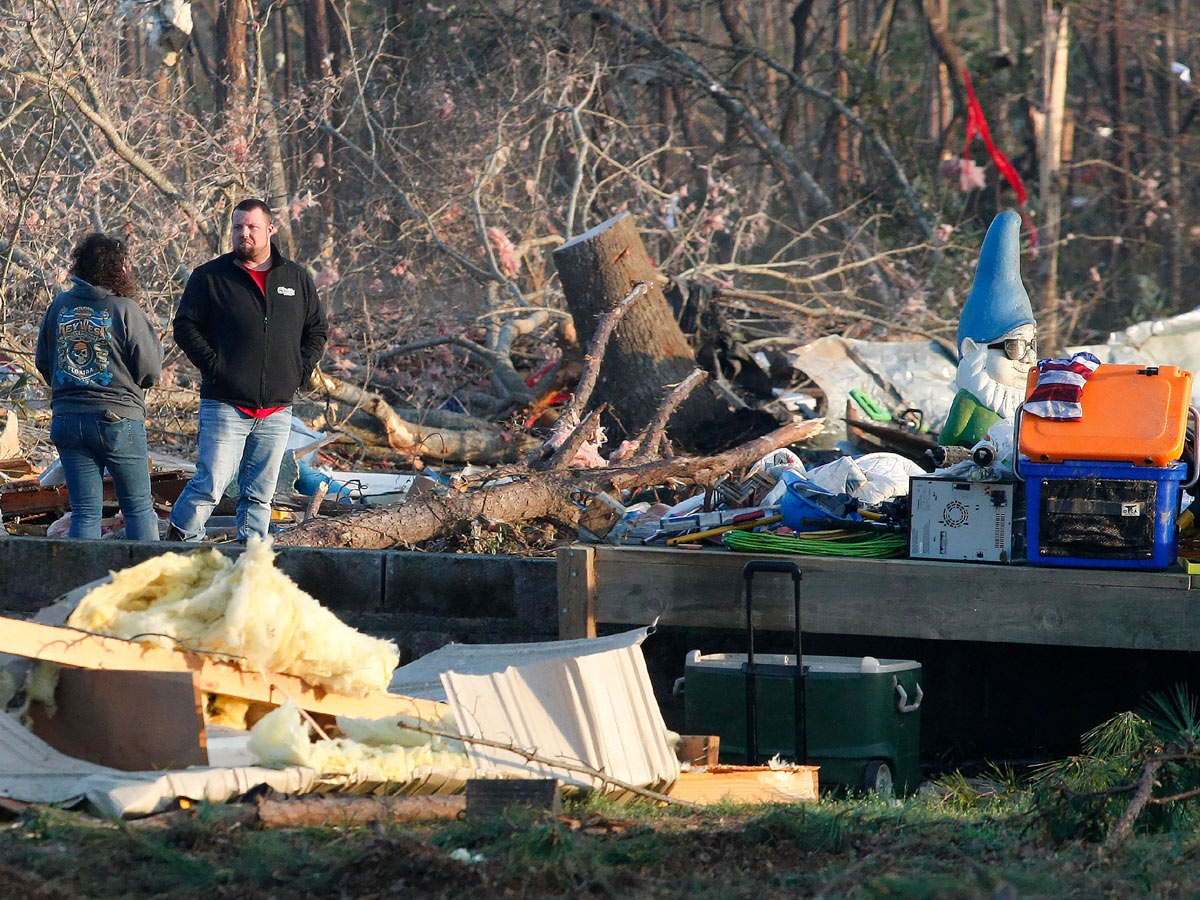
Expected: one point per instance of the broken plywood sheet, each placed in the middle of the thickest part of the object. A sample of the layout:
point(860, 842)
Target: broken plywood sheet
point(597, 710)
point(134, 721)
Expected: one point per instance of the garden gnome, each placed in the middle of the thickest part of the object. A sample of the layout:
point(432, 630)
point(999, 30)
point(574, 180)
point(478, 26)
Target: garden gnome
point(997, 339)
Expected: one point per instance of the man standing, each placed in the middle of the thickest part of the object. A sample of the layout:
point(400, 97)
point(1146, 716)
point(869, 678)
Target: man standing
point(252, 323)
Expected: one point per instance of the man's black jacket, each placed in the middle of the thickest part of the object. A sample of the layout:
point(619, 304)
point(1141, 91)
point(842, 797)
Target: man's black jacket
point(251, 349)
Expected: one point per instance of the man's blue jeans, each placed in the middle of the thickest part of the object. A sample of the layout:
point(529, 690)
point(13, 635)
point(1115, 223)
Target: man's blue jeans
point(89, 443)
point(233, 443)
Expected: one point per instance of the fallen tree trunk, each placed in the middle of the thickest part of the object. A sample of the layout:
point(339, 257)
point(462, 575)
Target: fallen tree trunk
point(544, 495)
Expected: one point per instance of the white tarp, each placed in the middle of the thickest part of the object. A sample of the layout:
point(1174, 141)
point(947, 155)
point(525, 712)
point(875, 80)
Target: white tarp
point(920, 375)
point(1174, 341)
point(897, 375)
point(34, 772)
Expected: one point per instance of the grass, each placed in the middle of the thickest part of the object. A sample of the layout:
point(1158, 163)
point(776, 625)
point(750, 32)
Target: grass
point(977, 838)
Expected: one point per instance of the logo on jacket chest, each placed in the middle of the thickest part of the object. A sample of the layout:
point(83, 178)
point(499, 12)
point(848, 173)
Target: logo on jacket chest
point(286, 291)
point(82, 343)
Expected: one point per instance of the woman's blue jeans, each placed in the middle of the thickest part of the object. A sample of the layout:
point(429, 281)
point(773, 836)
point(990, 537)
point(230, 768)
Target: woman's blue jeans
point(233, 444)
point(89, 443)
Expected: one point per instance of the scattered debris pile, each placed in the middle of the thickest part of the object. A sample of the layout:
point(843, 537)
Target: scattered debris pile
point(224, 675)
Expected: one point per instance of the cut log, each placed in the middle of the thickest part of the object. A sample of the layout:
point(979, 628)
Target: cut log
point(339, 811)
point(540, 496)
point(572, 413)
point(648, 353)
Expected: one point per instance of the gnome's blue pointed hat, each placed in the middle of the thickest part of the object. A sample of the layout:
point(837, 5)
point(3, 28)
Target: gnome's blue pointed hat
point(997, 303)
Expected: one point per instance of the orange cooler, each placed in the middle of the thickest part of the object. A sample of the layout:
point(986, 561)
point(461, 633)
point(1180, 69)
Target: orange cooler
point(1104, 492)
point(1134, 414)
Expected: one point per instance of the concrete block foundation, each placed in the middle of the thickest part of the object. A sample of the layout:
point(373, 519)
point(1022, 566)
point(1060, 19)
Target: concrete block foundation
point(420, 600)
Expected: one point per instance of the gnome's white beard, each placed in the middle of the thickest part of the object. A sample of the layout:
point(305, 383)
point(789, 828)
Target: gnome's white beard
point(973, 377)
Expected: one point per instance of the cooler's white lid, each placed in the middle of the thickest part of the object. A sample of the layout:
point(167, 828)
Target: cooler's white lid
point(838, 665)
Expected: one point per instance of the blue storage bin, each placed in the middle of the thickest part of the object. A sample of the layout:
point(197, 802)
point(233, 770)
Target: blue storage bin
point(1114, 515)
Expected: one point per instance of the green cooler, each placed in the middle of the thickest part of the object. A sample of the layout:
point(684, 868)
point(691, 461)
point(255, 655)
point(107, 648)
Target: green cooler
point(862, 714)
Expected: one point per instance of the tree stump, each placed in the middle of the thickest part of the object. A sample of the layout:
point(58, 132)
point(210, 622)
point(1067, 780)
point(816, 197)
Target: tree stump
point(648, 353)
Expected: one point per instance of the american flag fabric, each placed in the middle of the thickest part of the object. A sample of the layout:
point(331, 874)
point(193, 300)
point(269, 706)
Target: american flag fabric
point(1059, 390)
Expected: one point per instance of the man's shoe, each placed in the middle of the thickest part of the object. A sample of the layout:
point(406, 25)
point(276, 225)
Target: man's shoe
point(174, 534)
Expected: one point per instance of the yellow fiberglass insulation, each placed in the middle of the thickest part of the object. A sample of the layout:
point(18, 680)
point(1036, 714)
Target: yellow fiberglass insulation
point(402, 731)
point(280, 738)
point(246, 608)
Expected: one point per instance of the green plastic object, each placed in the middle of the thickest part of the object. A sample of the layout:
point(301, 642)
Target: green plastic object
point(856, 717)
point(874, 411)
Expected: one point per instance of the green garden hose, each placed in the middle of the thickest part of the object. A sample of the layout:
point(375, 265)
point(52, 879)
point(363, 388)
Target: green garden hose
point(830, 543)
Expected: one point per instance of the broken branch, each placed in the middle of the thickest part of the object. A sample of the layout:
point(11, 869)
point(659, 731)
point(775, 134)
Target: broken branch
point(1123, 827)
point(647, 441)
point(468, 444)
point(585, 432)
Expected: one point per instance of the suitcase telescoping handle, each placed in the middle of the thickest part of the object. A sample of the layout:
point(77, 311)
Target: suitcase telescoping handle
point(748, 571)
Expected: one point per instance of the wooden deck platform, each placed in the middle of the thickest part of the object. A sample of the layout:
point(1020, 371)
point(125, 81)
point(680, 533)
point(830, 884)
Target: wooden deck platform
point(901, 598)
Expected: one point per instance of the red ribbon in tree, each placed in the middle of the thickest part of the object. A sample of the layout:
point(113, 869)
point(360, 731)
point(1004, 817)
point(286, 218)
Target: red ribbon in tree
point(977, 124)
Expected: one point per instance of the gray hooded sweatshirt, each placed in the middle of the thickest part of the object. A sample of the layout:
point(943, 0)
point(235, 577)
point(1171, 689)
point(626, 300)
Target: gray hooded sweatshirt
point(98, 352)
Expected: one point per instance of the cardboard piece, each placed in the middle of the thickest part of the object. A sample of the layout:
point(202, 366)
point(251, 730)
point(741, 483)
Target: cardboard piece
point(129, 720)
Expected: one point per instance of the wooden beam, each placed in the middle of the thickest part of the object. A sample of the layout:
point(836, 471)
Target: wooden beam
point(214, 673)
point(899, 598)
point(746, 784)
point(576, 592)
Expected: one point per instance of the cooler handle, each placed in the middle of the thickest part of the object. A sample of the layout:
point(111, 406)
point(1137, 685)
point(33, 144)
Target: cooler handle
point(1195, 414)
point(902, 704)
point(1016, 460)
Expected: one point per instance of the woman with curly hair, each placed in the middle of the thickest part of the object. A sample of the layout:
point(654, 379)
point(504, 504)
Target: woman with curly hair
point(98, 352)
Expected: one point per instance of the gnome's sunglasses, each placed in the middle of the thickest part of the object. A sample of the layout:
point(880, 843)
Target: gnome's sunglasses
point(1015, 348)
